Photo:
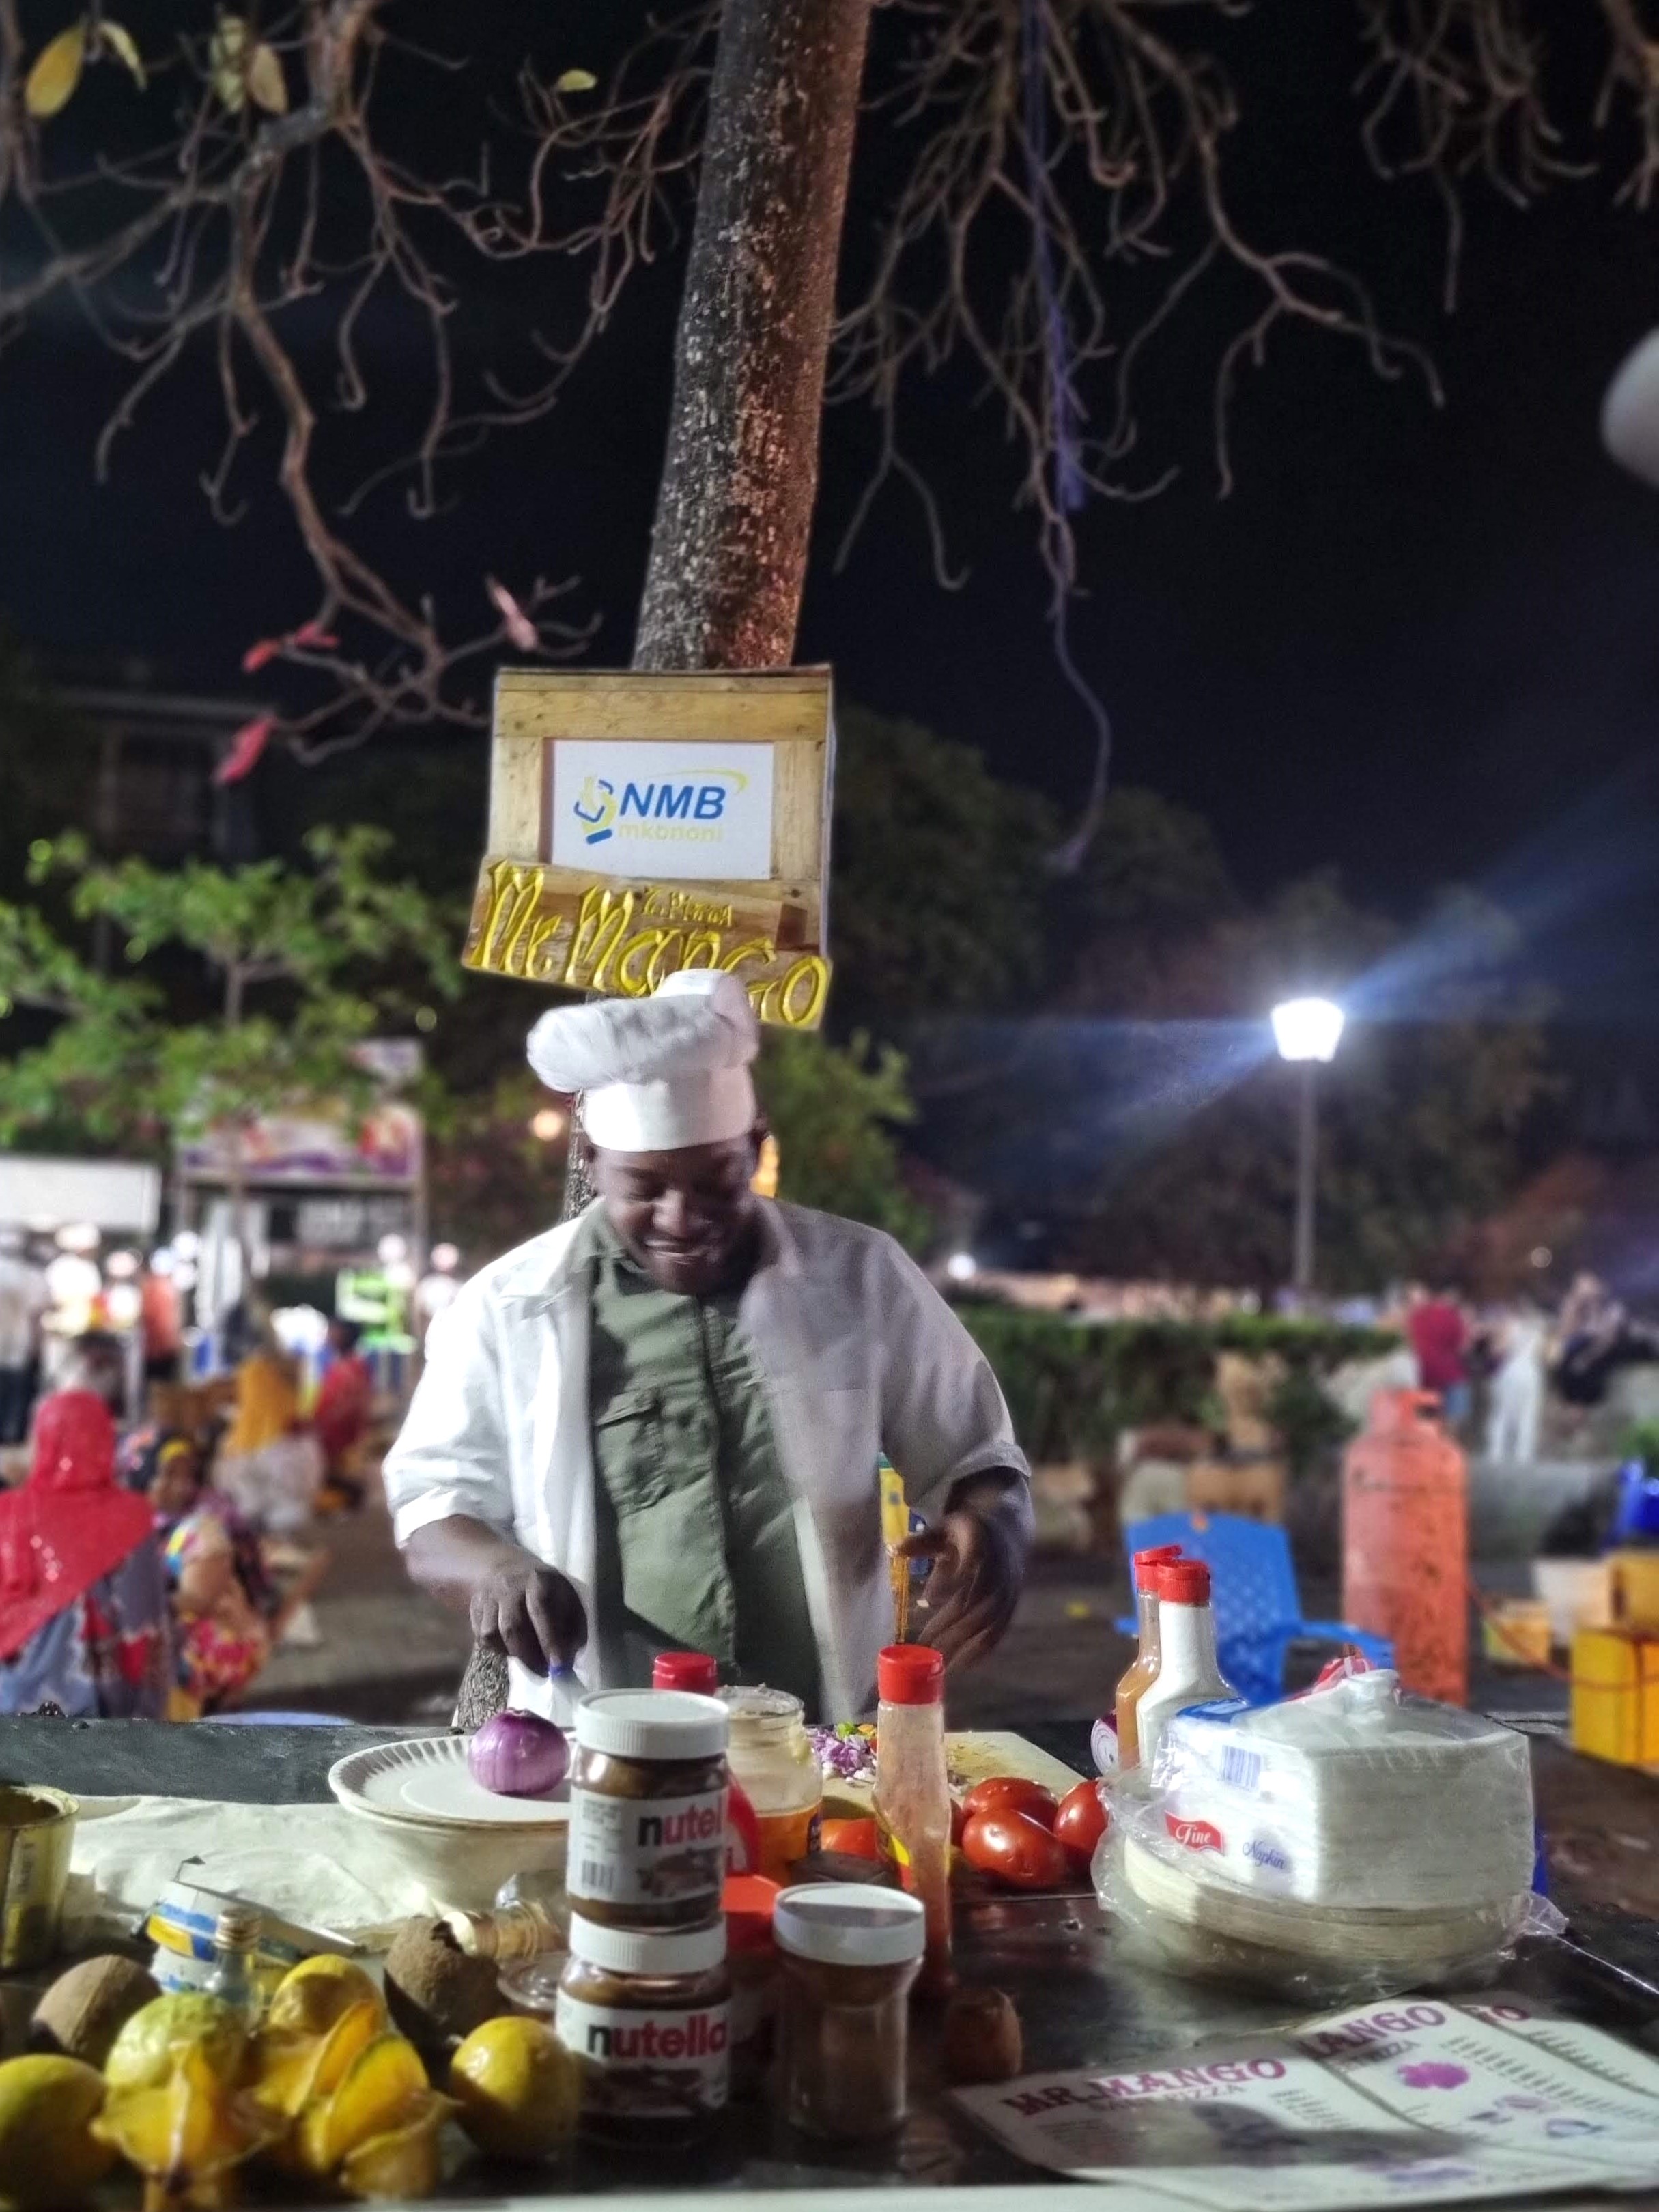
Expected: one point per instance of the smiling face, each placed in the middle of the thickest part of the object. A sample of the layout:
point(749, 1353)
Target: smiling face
point(688, 1217)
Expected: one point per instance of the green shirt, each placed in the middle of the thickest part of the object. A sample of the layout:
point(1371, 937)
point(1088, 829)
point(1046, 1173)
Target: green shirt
point(695, 1529)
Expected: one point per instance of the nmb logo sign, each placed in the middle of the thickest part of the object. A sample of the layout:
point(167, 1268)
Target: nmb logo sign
point(686, 811)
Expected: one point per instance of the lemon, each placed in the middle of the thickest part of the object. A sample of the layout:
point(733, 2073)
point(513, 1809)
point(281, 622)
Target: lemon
point(142, 2056)
point(187, 2136)
point(404, 2163)
point(384, 2086)
point(317, 1991)
point(518, 2087)
point(47, 2155)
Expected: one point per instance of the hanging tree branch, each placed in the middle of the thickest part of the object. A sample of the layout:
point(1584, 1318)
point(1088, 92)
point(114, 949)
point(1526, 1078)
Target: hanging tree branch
point(233, 214)
point(1062, 206)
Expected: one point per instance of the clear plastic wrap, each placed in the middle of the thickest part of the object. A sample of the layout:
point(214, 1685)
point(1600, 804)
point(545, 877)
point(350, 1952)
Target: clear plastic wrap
point(1347, 1844)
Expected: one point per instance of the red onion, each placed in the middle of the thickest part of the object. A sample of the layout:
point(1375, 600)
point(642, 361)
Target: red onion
point(519, 1755)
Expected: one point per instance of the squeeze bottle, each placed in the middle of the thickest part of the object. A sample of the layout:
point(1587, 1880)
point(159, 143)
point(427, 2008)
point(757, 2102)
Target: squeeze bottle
point(912, 1794)
point(1188, 1672)
point(1142, 1671)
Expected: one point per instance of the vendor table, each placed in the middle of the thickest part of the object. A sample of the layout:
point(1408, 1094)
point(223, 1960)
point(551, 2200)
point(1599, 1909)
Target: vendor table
point(1080, 2004)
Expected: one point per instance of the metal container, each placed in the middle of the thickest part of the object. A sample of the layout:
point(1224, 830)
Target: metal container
point(37, 1831)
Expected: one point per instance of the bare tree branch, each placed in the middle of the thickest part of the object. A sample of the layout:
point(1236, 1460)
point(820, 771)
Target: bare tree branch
point(223, 223)
point(1060, 223)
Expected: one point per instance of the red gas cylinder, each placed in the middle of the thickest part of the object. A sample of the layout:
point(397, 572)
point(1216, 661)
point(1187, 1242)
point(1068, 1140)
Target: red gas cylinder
point(1406, 1542)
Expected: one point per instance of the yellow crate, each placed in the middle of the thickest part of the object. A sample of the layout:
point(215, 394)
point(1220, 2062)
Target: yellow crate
point(1615, 1696)
point(1516, 1633)
point(1635, 1578)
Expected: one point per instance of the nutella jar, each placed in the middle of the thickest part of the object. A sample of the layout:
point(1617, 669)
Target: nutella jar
point(646, 2015)
point(647, 1809)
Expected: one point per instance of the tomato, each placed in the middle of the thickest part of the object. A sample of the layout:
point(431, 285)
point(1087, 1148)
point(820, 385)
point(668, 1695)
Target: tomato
point(1010, 1793)
point(1016, 1849)
point(1081, 1821)
point(958, 1822)
point(858, 1839)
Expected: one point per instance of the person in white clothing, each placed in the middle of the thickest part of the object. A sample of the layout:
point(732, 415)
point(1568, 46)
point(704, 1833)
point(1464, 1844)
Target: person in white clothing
point(657, 1426)
point(1515, 1404)
point(23, 1299)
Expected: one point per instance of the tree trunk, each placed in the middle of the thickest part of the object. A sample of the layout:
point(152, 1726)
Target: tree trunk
point(734, 512)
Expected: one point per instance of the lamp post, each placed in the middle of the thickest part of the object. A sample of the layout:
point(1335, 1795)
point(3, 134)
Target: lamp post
point(1307, 1032)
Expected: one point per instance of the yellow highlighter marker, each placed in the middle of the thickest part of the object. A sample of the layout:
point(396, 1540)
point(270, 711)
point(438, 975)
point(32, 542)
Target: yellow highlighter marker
point(895, 1528)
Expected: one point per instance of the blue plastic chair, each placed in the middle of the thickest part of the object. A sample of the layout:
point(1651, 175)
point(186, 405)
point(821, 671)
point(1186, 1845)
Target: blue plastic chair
point(276, 1720)
point(1253, 1594)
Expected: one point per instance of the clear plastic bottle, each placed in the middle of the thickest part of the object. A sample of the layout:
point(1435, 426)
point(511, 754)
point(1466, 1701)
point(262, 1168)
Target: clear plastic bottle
point(774, 1763)
point(233, 1978)
point(530, 1917)
point(1188, 1673)
point(1142, 1671)
point(912, 1793)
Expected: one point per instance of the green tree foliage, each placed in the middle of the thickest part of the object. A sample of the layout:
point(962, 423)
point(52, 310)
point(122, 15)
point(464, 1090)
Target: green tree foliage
point(938, 893)
point(238, 992)
point(833, 1112)
point(492, 1183)
point(1424, 1115)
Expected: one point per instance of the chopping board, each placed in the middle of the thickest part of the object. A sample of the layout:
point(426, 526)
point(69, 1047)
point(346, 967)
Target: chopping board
point(974, 1755)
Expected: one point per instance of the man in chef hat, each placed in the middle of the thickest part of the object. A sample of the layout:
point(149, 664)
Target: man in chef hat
point(656, 1427)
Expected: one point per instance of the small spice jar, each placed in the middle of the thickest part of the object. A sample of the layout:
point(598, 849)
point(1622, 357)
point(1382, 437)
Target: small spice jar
point(647, 1809)
point(646, 2015)
point(772, 1759)
point(849, 1954)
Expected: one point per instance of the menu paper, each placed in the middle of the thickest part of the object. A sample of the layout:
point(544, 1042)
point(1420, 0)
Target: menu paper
point(1417, 2100)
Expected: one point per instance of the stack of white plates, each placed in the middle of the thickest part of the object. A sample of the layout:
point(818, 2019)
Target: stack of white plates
point(1355, 1797)
point(461, 1841)
point(1204, 1922)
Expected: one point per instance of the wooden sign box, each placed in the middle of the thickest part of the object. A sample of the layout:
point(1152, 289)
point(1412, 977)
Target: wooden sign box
point(605, 928)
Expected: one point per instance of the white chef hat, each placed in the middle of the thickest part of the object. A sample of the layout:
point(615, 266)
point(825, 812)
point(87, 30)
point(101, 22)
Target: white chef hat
point(1630, 413)
point(658, 1073)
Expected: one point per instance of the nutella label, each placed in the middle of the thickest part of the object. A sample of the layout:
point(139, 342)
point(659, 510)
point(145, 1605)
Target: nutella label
point(646, 1850)
point(648, 2063)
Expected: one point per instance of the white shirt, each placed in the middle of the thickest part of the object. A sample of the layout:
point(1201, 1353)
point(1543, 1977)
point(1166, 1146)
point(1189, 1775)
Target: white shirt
point(858, 1354)
point(23, 1299)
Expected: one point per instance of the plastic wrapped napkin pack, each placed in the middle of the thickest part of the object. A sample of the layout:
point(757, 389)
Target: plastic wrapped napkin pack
point(1353, 1796)
point(1349, 1844)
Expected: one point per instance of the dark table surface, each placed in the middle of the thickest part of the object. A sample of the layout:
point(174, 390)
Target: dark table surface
point(1080, 2003)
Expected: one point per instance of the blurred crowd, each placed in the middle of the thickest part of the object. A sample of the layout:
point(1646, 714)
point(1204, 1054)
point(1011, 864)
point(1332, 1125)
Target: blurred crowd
point(1500, 1370)
point(149, 1568)
point(1515, 1378)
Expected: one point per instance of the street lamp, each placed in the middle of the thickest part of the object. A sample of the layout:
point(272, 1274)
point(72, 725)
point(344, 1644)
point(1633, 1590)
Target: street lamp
point(1307, 1032)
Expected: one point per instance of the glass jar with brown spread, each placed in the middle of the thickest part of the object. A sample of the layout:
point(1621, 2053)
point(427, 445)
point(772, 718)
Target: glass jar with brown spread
point(646, 2015)
point(849, 1954)
point(647, 1809)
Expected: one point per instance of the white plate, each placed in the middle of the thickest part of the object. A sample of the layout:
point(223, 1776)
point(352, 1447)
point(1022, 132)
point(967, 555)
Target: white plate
point(450, 1793)
point(374, 1781)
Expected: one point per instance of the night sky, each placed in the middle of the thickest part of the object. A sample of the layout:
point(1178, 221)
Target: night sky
point(1422, 645)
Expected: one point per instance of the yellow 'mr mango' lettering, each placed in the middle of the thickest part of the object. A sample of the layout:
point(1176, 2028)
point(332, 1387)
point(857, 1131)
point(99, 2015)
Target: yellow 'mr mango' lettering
point(514, 889)
point(601, 924)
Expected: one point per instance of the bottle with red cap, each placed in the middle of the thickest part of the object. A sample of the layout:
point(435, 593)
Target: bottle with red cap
point(696, 1672)
point(1188, 1673)
point(1142, 1671)
point(912, 1793)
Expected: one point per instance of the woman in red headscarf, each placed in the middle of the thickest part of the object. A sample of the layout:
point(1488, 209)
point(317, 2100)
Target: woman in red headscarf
point(82, 1591)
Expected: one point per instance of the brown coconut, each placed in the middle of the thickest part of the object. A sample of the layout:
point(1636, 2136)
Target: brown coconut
point(435, 1992)
point(85, 2009)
